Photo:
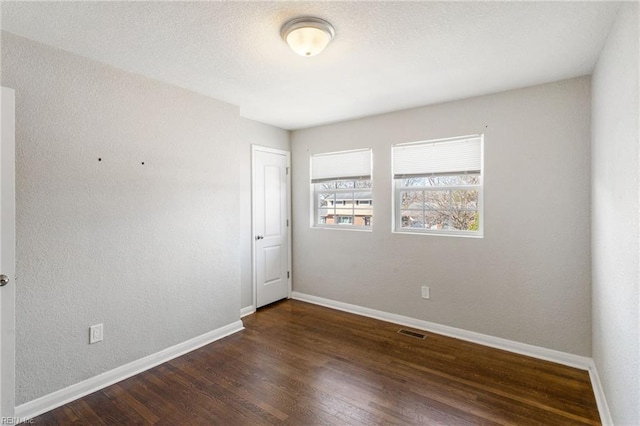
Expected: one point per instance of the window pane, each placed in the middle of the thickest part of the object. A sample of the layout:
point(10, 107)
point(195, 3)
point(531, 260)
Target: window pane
point(366, 183)
point(468, 180)
point(343, 202)
point(437, 200)
point(362, 219)
point(464, 220)
point(326, 185)
point(413, 182)
point(436, 181)
point(345, 184)
point(464, 200)
point(363, 210)
point(325, 199)
point(412, 219)
point(411, 200)
point(363, 198)
point(325, 217)
point(455, 180)
point(345, 220)
point(437, 219)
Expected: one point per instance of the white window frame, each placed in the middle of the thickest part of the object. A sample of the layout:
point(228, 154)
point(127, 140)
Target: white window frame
point(315, 202)
point(398, 189)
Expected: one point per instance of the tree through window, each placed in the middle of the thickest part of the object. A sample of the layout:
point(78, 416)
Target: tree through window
point(438, 186)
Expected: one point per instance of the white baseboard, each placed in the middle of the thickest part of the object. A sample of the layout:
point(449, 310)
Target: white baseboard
point(576, 361)
point(564, 358)
point(56, 399)
point(53, 400)
point(247, 310)
point(601, 400)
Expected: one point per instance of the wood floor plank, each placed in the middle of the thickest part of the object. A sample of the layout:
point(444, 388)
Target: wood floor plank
point(302, 364)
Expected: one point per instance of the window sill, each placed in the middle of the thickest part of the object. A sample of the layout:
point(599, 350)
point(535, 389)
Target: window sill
point(440, 234)
point(343, 228)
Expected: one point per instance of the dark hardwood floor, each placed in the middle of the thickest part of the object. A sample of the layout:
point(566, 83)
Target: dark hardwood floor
point(301, 364)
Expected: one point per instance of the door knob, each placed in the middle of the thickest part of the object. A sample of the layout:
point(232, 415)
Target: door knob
point(259, 237)
point(4, 280)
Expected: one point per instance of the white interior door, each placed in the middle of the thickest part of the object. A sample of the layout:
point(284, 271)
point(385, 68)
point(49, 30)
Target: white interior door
point(271, 260)
point(7, 253)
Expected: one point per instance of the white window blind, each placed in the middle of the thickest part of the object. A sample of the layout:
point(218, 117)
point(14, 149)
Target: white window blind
point(446, 157)
point(341, 165)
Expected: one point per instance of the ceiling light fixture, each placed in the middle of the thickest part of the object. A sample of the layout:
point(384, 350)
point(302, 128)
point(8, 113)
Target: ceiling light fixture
point(307, 36)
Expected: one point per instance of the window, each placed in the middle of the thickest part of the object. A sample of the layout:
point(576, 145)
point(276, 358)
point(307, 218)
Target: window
point(345, 220)
point(438, 186)
point(342, 190)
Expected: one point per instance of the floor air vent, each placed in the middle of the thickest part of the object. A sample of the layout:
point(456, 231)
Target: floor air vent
point(412, 334)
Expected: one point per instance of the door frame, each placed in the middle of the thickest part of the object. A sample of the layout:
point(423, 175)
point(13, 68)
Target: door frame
point(254, 272)
point(8, 251)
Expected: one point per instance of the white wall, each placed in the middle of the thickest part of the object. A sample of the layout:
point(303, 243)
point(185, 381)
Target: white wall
point(147, 250)
point(528, 279)
point(252, 133)
point(616, 210)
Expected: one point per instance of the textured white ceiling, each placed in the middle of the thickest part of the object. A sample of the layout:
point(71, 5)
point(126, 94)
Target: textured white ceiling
point(386, 56)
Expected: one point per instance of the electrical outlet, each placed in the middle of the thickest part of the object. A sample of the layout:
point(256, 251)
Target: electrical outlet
point(426, 293)
point(95, 333)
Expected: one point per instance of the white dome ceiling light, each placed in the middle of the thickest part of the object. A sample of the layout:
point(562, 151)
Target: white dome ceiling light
point(307, 36)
